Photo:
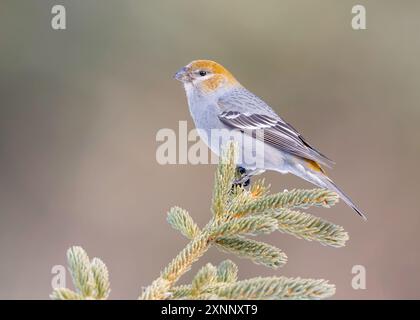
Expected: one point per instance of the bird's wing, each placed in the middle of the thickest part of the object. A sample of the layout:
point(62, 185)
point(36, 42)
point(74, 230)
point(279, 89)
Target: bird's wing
point(277, 132)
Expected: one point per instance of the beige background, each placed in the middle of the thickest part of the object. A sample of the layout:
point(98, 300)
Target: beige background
point(80, 108)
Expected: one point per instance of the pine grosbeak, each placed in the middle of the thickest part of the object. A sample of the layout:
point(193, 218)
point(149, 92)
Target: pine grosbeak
point(218, 102)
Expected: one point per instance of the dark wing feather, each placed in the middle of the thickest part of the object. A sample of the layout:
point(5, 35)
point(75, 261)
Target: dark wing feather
point(277, 133)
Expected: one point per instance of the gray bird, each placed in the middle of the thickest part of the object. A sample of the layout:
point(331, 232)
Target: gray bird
point(222, 109)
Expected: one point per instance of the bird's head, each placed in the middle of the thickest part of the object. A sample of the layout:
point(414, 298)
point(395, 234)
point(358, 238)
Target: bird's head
point(206, 75)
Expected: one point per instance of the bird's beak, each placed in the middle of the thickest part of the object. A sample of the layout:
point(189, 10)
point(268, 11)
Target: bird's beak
point(182, 75)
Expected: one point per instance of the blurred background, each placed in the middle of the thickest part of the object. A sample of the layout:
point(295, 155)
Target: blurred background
point(80, 109)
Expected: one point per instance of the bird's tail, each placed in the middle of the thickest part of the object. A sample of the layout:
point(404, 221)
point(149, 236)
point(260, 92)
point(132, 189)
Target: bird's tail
point(333, 187)
point(314, 173)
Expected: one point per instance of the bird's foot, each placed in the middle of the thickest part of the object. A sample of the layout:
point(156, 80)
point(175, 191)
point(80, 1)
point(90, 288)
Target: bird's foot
point(241, 183)
point(244, 179)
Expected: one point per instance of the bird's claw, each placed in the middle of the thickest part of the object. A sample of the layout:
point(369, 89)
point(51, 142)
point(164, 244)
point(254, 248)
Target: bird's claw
point(244, 179)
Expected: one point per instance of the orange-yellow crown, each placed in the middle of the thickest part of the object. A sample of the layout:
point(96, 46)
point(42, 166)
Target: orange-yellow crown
point(219, 74)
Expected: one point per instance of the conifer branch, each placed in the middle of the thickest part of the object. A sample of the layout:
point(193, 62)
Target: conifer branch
point(260, 288)
point(237, 212)
point(180, 220)
point(183, 261)
point(293, 199)
point(90, 279)
point(180, 292)
point(80, 269)
point(252, 225)
point(225, 174)
point(258, 252)
point(101, 278)
point(65, 294)
point(306, 226)
point(206, 276)
point(276, 288)
point(227, 272)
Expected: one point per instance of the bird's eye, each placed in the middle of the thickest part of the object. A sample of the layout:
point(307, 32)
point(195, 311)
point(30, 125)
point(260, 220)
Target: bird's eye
point(202, 73)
